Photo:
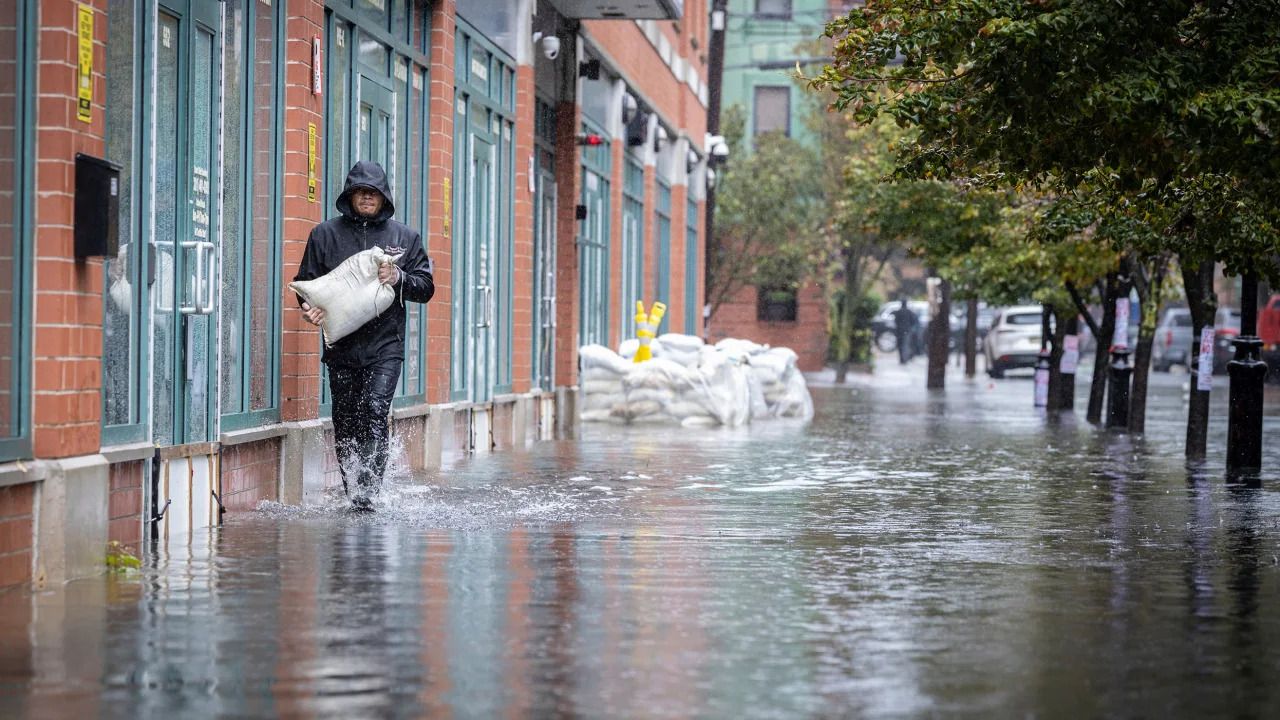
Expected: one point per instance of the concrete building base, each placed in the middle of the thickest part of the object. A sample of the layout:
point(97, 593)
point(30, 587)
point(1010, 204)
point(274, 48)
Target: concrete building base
point(72, 519)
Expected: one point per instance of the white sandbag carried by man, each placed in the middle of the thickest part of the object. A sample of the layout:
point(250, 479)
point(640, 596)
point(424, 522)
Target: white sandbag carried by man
point(351, 293)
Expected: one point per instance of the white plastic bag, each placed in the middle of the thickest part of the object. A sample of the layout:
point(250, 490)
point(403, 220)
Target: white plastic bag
point(350, 294)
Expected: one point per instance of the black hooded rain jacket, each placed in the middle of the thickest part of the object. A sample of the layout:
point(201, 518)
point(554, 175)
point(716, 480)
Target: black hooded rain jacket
point(335, 240)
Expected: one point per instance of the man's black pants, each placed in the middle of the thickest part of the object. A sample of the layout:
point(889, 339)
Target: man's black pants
point(361, 406)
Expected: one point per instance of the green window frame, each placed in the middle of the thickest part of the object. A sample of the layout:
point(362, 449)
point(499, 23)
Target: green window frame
point(632, 245)
point(692, 308)
point(15, 431)
point(401, 28)
point(484, 112)
point(662, 263)
point(594, 239)
point(258, 254)
point(125, 419)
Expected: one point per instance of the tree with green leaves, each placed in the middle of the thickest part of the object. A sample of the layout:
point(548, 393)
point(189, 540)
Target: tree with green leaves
point(1157, 101)
point(767, 204)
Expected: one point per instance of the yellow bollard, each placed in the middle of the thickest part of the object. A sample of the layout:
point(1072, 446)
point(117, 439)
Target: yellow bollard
point(646, 326)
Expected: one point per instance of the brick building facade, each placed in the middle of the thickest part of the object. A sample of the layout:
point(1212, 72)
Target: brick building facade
point(173, 376)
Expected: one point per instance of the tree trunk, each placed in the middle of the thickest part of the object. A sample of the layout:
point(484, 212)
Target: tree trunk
point(1150, 294)
point(1102, 349)
point(971, 340)
point(939, 338)
point(1067, 389)
point(1058, 331)
point(844, 325)
point(1197, 280)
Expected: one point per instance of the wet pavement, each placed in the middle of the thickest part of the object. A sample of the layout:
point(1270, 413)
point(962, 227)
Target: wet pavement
point(907, 554)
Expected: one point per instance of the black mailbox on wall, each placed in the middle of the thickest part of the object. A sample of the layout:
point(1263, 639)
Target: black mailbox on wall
point(97, 228)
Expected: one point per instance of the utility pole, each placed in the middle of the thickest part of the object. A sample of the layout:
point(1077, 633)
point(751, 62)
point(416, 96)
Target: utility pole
point(715, 77)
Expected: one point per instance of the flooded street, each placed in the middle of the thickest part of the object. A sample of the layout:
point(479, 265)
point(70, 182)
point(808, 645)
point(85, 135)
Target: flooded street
point(906, 554)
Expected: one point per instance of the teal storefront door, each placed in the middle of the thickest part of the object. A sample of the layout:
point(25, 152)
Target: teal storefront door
point(480, 273)
point(483, 207)
point(593, 245)
point(184, 247)
point(544, 261)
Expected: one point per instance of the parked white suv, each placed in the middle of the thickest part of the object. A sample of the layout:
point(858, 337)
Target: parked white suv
point(1014, 340)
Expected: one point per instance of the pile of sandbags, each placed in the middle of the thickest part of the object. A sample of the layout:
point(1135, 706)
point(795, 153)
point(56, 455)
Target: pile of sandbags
point(602, 373)
point(691, 383)
point(782, 383)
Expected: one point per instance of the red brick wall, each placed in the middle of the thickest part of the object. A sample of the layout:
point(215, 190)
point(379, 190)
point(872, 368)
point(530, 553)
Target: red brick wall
point(675, 315)
point(68, 294)
point(640, 63)
point(522, 314)
point(440, 202)
point(807, 336)
point(250, 474)
point(300, 349)
point(125, 504)
point(568, 194)
point(16, 503)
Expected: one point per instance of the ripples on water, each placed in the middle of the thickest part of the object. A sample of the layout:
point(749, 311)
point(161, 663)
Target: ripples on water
point(906, 554)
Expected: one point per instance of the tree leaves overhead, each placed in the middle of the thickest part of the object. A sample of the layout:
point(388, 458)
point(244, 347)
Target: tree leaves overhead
point(1170, 105)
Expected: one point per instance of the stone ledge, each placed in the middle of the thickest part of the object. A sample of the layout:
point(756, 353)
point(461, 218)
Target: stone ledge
point(248, 435)
point(411, 411)
point(22, 472)
point(128, 453)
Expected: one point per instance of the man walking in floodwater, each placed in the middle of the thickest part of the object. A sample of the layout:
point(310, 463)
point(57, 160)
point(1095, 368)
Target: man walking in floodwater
point(364, 367)
point(904, 327)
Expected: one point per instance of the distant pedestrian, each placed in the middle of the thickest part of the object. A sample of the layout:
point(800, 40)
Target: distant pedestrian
point(364, 367)
point(904, 330)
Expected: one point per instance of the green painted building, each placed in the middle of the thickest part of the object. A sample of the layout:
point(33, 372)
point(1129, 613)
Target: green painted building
point(763, 41)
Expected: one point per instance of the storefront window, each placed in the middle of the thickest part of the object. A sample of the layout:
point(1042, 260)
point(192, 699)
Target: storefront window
point(376, 100)
point(14, 245)
point(251, 209)
point(264, 198)
point(120, 327)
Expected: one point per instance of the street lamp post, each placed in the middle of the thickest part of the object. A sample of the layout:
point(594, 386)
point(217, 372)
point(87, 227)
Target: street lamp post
point(1247, 372)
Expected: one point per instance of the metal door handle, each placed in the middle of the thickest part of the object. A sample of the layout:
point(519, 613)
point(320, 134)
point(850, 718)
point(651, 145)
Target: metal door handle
point(484, 306)
point(194, 307)
point(207, 308)
point(155, 267)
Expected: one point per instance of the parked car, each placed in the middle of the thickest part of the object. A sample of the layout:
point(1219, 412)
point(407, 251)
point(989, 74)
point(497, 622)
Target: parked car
point(1226, 327)
point(1173, 340)
point(960, 318)
point(882, 326)
point(1014, 340)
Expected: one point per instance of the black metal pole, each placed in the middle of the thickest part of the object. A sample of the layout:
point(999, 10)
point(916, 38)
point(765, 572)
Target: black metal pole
point(715, 79)
point(1247, 373)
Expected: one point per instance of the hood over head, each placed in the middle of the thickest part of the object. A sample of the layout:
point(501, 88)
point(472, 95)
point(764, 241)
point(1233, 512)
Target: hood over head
point(366, 174)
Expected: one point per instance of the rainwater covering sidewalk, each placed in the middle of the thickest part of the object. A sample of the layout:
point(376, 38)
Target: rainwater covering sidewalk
point(905, 554)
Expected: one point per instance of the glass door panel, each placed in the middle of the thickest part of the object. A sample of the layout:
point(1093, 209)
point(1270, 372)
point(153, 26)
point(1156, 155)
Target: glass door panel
point(377, 122)
point(544, 330)
point(183, 262)
point(163, 275)
point(481, 197)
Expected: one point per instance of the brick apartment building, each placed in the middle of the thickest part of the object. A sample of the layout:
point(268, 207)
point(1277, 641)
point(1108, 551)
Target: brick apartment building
point(551, 152)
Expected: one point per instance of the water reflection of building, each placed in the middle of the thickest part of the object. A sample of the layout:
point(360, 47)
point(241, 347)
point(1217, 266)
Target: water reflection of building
point(174, 371)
